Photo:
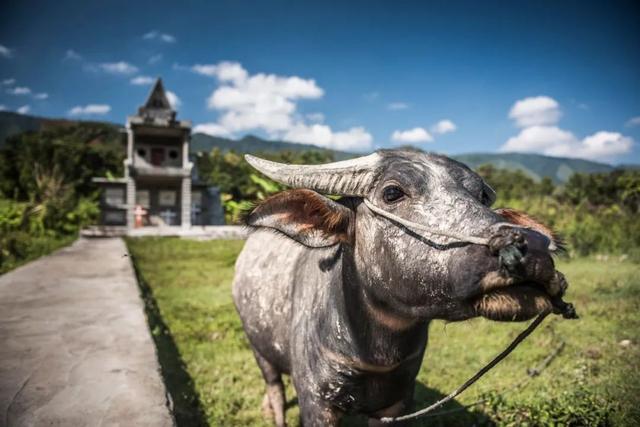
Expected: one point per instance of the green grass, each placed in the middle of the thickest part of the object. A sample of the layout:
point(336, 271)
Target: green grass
point(213, 378)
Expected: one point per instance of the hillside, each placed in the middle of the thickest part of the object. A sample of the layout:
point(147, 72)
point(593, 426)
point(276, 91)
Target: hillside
point(13, 124)
point(253, 144)
point(534, 165)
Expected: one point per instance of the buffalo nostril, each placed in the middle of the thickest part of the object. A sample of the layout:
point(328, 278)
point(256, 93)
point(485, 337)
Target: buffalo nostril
point(510, 258)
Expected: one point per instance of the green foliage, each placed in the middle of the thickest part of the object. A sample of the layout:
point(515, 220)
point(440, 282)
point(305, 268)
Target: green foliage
point(77, 153)
point(30, 230)
point(46, 195)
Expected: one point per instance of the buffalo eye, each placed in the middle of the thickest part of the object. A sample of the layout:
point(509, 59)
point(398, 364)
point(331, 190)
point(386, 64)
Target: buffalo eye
point(488, 198)
point(484, 199)
point(392, 194)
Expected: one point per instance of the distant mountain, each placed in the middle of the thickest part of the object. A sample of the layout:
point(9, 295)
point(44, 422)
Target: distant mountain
point(534, 165)
point(13, 123)
point(253, 144)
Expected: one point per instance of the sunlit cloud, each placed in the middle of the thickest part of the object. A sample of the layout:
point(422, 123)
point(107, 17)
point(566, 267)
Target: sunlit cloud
point(539, 134)
point(72, 55)
point(396, 106)
point(444, 126)
point(268, 102)
point(535, 111)
point(121, 68)
point(174, 100)
point(20, 90)
point(90, 109)
point(157, 35)
point(633, 121)
point(142, 80)
point(411, 136)
point(5, 52)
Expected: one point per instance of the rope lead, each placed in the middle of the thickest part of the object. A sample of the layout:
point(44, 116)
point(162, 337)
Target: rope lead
point(523, 335)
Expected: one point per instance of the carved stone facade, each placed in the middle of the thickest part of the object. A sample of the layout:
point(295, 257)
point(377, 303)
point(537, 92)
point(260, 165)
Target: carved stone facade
point(158, 188)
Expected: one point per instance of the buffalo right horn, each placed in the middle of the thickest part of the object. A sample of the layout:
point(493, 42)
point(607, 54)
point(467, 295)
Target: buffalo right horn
point(346, 178)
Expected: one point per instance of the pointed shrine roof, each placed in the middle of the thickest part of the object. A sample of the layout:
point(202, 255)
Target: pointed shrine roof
point(157, 105)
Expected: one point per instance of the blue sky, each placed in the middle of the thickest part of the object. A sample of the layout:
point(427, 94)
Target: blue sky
point(559, 78)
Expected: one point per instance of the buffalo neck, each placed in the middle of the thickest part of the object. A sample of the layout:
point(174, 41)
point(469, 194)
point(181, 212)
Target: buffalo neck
point(358, 327)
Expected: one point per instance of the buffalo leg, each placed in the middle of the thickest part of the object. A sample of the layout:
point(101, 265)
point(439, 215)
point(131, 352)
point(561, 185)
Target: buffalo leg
point(317, 413)
point(274, 398)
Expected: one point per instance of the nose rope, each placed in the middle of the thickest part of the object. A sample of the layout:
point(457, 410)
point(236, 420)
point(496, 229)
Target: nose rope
point(414, 225)
point(422, 412)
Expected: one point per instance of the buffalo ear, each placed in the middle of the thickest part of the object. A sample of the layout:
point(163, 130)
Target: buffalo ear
point(305, 216)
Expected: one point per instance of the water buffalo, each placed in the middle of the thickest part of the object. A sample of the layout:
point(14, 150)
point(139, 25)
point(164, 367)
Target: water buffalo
point(340, 296)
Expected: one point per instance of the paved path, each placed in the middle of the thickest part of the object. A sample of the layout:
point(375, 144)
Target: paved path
point(75, 349)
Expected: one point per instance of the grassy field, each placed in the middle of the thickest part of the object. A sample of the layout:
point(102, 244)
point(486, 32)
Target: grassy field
point(212, 376)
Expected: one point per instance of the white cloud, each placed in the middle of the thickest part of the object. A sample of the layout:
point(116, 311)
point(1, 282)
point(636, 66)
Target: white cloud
point(539, 139)
point(263, 101)
point(315, 117)
point(538, 116)
point(142, 80)
point(155, 59)
point(535, 111)
point(122, 68)
point(23, 90)
point(356, 138)
point(444, 126)
point(72, 55)
point(157, 35)
point(24, 109)
point(553, 141)
point(410, 136)
point(604, 144)
point(396, 106)
point(3, 107)
point(20, 90)
point(225, 71)
point(268, 102)
point(259, 101)
point(633, 121)
point(5, 52)
point(90, 109)
point(9, 82)
point(174, 100)
point(212, 129)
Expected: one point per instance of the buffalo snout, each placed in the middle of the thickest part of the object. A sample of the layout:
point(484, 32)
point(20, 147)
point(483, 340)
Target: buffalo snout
point(523, 254)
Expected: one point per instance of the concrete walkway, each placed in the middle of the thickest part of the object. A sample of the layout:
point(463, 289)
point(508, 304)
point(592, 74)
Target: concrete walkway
point(75, 349)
